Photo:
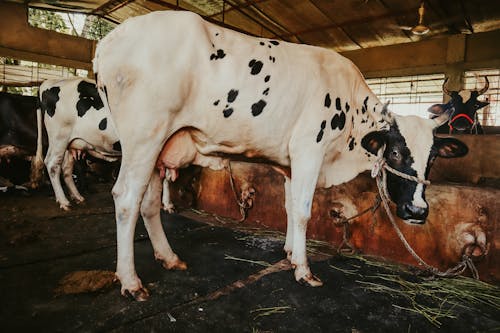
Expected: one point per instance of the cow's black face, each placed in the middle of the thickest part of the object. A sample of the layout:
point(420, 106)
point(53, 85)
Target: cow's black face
point(412, 153)
point(462, 108)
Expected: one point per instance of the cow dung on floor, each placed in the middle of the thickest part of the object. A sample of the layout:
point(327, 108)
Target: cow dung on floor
point(236, 280)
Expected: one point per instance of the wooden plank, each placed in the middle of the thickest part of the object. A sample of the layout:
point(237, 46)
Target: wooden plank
point(457, 213)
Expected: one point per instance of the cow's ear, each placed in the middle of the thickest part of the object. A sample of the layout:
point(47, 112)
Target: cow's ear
point(480, 104)
point(437, 109)
point(373, 141)
point(450, 147)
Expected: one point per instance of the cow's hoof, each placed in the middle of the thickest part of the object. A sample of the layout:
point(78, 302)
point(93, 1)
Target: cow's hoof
point(79, 201)
point(178, 265)
point(169, 209)
point(140, 295)
point(64, 207)
point(310, 280)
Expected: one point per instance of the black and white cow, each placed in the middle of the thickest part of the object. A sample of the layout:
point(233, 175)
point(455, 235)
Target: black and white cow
point(77, 122)
point(215, 94)
point(462, 110)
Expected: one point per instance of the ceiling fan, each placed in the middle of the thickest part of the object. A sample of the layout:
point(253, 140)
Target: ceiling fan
point(420, 28)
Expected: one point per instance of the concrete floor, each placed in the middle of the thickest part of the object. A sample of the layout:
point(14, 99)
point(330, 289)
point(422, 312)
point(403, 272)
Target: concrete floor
point(39, 245)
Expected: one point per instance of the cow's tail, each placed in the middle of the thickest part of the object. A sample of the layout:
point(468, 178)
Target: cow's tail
point(37, 164)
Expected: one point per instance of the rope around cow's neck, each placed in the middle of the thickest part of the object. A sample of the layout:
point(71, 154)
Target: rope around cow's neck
point(379, 173)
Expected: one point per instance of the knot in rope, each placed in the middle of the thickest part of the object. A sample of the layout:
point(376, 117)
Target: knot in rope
point(381, 166)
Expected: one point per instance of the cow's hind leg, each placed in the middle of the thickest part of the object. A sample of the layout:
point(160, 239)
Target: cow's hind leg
point(303, 184)
point(128, 193)
point(53, 162)
point(150, 211)
point(68, 165)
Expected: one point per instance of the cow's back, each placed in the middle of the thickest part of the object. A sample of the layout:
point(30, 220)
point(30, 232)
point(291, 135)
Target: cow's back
point(240, 92)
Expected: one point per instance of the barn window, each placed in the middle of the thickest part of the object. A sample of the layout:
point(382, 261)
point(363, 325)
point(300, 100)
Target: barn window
point(409, 95)
point(24, 77)
point(489, 115)
point(81, 25)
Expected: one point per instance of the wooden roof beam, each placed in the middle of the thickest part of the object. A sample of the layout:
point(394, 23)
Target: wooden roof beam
point(346, 23)
point(110, 6)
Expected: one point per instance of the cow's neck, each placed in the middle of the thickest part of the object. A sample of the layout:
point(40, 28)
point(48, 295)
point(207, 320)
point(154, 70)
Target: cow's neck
point(352, 159)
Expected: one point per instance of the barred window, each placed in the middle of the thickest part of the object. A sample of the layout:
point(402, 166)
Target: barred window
point(409, 95)
point(24, 77)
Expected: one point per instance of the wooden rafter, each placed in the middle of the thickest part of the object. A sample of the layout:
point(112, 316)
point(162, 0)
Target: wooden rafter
point(337, 26)
point(110, 6)
point(208, 18)
point(242, 6)
point(349, 22)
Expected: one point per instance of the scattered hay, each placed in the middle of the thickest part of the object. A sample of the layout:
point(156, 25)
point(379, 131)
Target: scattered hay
point(261, 312)
point(434, 299)
point(84, 282)
point(260, 263)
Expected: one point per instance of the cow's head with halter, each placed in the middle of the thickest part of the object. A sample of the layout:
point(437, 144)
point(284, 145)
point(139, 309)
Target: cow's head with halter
point(407, 151)
point(462, 109)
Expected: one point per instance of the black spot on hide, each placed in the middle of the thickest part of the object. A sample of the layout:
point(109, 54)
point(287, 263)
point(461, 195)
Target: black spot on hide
point(103, 124)
point(337, 104)
point(352, 143)
point(219, 55)
point(256, 66)
point(258, 107)
point(228, 112)
point(266, 92)
point(117, 146)
point(342, 121)
point(335, 121)
point(365, 106)
point(328, 100)
point(49, 100)
point(89, 97)
point(321, 131)
point(274, 42)
point(231, 95)
point(347, 107)
point(216, 102)
point(267, 78)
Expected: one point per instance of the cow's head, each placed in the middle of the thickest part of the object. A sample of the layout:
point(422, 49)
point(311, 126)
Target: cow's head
point(461, 108)
point(409, 146)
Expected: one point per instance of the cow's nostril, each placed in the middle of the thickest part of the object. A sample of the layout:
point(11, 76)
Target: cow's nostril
point(419, 213)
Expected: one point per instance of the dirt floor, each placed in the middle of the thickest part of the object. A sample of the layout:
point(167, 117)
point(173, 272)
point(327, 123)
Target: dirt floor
point(236, 280)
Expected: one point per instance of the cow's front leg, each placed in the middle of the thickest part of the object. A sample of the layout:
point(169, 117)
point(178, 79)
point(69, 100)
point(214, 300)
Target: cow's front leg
point(303, 184)
point(68, 165)
point(150, 211)
point(289, 219)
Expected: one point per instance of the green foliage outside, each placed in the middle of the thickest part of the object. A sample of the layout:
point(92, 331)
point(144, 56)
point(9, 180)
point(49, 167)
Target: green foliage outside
point(47, 20)
point(96, 27)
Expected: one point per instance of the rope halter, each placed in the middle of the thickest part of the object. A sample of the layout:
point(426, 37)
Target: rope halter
point(379, 172)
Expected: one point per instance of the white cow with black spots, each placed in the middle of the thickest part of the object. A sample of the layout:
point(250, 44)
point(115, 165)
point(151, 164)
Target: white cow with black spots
point(213, 93)
point(77, 122)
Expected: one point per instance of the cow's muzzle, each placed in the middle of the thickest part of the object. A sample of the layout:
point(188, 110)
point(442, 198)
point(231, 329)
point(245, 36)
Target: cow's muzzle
point(412, 214)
